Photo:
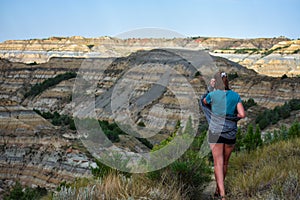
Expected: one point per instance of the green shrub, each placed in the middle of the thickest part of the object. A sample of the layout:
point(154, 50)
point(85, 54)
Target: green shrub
point(294, 104)
point(197, 74)
point(40, 87)
point(47, 115)
point(249, 139)
point(279, 112)
point(57, 119)
point(101, 170)
point(249, 103)
point(32, 63)
point(277, 135)
point(284, 76)
point(232, 76)
point(90, 46)
point(72, 124)
point(20, 193)
point(112, 136)
point(245, 51)
point(239, 141)
point(111, 130)
point(191, 170)
point(146, 142)
point(294, 130)
point(141, 124)
point(272, 50)
point(252, 140)
point(296, 51)
point(257, 140)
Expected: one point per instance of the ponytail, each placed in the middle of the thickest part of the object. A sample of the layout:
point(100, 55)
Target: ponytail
point(222, 82)
point(225, 82)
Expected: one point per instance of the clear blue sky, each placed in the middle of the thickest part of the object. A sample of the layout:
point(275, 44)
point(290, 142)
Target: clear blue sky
point(27, 19)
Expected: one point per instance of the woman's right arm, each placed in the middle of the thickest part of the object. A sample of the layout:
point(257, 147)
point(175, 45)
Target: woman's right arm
point(240, 110)
point(204, 101)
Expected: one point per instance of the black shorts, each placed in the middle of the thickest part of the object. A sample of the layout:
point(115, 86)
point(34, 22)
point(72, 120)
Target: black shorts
point(218, 139)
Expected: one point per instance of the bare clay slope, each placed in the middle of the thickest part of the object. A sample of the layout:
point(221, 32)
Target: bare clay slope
point(51, 156)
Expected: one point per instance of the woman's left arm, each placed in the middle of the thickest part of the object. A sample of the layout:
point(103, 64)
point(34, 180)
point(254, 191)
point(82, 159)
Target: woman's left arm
point(240, 110)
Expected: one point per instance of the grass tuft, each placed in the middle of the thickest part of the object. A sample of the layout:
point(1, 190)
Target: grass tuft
point(269, 172)
point(117, 186)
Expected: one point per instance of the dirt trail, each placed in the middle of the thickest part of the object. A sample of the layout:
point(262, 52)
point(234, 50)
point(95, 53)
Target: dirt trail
point(209, 190)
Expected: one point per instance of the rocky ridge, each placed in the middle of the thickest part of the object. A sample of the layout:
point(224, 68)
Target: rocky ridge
point(31, 143)
point(282, 58)
point(269, 56)
point(33, 151)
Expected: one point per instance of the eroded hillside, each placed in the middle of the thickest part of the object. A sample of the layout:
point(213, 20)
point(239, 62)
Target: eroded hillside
point(268, 56)
point(36, 152)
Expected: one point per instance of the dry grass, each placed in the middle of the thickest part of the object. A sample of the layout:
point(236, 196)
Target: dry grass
point(138, 187)
point(116, 186)
point(266, 173)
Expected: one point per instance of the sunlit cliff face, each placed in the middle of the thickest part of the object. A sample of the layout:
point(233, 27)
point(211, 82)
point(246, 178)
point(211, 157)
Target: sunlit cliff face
point(268, 56)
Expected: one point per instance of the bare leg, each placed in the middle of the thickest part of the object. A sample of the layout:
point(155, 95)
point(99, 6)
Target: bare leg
point(218, 155)
point(227, 152)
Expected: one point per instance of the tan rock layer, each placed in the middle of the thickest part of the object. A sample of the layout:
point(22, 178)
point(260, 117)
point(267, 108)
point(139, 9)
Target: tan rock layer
point(20, 126)
point(32, 151)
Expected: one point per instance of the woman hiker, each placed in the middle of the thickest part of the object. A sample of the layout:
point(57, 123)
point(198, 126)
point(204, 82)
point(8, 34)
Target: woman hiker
point(223, 108)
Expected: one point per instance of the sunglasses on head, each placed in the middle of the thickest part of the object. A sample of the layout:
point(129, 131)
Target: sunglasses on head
point(223, 74)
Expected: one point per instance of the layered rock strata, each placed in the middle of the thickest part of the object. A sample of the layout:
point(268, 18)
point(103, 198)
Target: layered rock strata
point(269, 56)
point(282, 58)
point(33, 151)
point(30, 143)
